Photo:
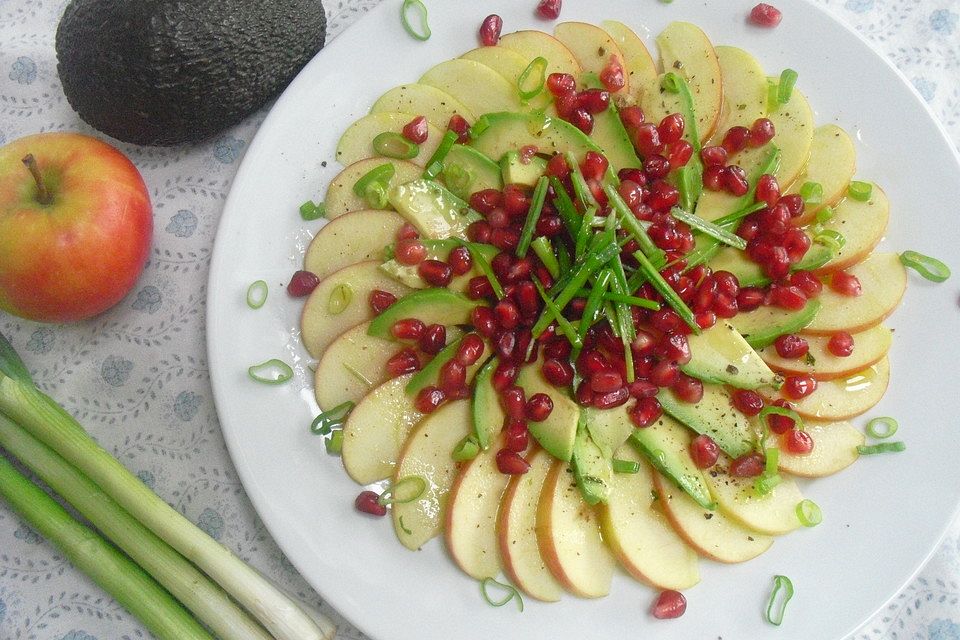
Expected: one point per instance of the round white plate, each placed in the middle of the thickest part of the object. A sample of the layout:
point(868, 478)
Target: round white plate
point(882, 518)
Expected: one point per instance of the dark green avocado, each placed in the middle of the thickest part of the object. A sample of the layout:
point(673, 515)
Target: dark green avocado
point(165, 72)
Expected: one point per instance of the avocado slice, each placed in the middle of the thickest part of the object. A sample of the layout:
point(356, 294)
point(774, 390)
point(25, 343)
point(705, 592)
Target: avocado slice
point(591, 468)
point(514, 170)
point(438, 250)
point(762, 326)
point(431, 371)
point(609, 132)
point(432, 209)
point(558, 432)
point(713, 416)
point(666, 444)
point(721, 355)
point(485, 409)
point(431, 306)
point(609, 428)
point(501, 132)
point(466, 171)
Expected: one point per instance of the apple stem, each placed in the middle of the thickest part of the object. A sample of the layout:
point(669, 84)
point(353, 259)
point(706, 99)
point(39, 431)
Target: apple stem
point(43, 195)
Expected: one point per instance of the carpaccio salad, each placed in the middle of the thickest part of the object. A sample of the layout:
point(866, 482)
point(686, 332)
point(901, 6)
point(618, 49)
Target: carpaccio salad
point(575, 308)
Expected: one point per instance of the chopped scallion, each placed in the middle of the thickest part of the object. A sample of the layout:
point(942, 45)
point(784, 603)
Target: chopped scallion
point(509, 593)
point(812, 193)
point(466, 449)
point(929, 268)
point(633, 300)
point(484, 265)
point(326, 421)
point(780, 411)
point(381, 174)
point(458, 179)
point(393, 145)
point(334, 443)
point(556, 313)
point(860, 190)
point(709, 228)
point(424, 32)
point(882, 447)
point(788, 78)
point(665, 290)
point(310, 210)
point(824, 215)
point(888, 424)
point(544, 250)
point(809, 513)
point(764, 484)
point(528, 87)
point(404, 490)
point(257, 294)
point(435, 163)
point(634, 227)
point(376, 195)
point(625, 466)
point(565, 208)
point(272, 371)
point(774, 613)
point(831, 238)
point(533, 215)
point(594, 301)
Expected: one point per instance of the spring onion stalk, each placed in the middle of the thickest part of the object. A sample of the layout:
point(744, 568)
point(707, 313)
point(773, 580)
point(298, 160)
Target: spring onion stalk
point(665, 290)
point(824, 215)
point(727, 221)
point(565, 208)
point(435, 163)
point(310, 210)
point(48, 422)
point(860, 190)
point(538, 69)
point(690, 183)
point(478, 127)
point(257, 294)
point(334, 444)
point(563, 258)
point(882, 447)
point(625, 466)
point(381, 174)
point(118, 575)
point(788, 79)
point(586, 228)
point(624, 317)
point(391, 144)
point(405, 490)
point(484, 265)
point(709, 229)
point(580, 187)
point(198, 593)
point(533, 215)
point(774, 614)
point(424, 33)
point(634, 227)
point(888, 425)
point(632, 300)
point(510, 594)
point(554, 312)
point(591, 309)
point(541, 246)
point(809, 513)
point(929, 268)
point(272, 371)
point(811, 192)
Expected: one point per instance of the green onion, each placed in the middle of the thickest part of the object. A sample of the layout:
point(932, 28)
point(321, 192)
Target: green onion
point(311, 211)
point(709, 228)
point(888, 424)
point(809, 513)
point(594, 302)
point(811, 192)
point(563, 258)
point(771, 461)
point(539, 66)
point(272, 371)
point(565, 208)
point(860, 190)
point(625, 466)
point(484, 266)
point(728, 220)
point(334, 443)
point(478, 127)
point(510, 593)
point(435, 163)
point(929, 268)
point(579, 183)
point(634, 227)
point(533, 215)
point(586, 229)
point(257, 294)
point(339, 299)
point(824, 215)
point(831, 238)
point(633, 300)
point(376, 195)
point(458, 179)
point(412, 487)
point(403, 527)
point(882, 447)
point(774, 614)
point(393, 145)
point(557, 313)
point(381, 174)
point(326, 421)
point(541, 246)
point(424, 33)
point(690, 184)
point(466, 449)
point(780, 411)
point(665, 290)
point(764, 484)
point(785, 88)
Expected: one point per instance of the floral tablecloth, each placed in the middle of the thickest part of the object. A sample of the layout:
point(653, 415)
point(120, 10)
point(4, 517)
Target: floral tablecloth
point(137, 376)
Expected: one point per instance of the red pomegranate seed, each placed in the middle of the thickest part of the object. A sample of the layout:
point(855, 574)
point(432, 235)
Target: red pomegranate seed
point(665, 320)
point(645, 412)
point(368, 502)
point(643, 344)
point(519, 269)
point(680, 153)
point(410, 251)
point(594, 165)
point(669, 604)
point(663, 196)
point(407, 329)
point(470, 349)
point(565, 104)
point(486, 200)
point(460, 261)
point(841, 344)
point(750, 298)
point(793, 202)
point(791, 346)
point(511, 463)
point(504, 375)
point(765, 15)
point(768, 190)
point(518, 437)
point(664, 373)
point(612, 75)
point(797, 387)
point(715, 155)
point(490, 30)
point(807, 282)
point(479, 231)
point(452, 377)
point(671, 128)
point(777, 423)
point(557, 166)
point(435, 272)
point(747, 402)
point(704, 452)
point(433, 340)
point(416, 130)
point(706, 319)
point(302, 283)
point(514, 402)
point(582, 119)
point(561, 84)
point(380, 300)
point(407, 232)
point(642, 389)
point(787, 297)
point(631, 117)
point(593, 362)
point(483, 321)
point(498, 219)
point(459, 125)
point(674, 347)
point(646, 138)
point(559, 373)
point(557, 347)
point(797, 442)
point(428, 399)
point(605, 381)
point(747, 465)
point(479, 288)
point(688, 389)
point(539, 407)
point(506, 314)
point(762, 131)
point(735, 180)
point(593, 101)
point(549, 225)
point(846, 284)
point(403, 362)
point(656, 166)
point(796, 242)
point(736, 139)
point(611, 399)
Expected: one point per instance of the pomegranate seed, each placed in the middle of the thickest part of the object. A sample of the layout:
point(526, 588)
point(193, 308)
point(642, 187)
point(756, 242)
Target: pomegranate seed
point(565, 104)
point(674, 347)
point(747, 402)
point(504, 375)
point(368, 502)
point(631, 117)
point(407, 329)
point(380, 300)
point(605, 381)
point(561, 84)
point(671, 128)
point(435, 272)
point(747, 466)
point(593, 362)
point(516, 200)
point(765, 15)
point(713, 177)
point(539, 407)
point(612, 75)
point(688, 389)
point(656, 166)
point(459, 125)
point(506, 314)
point(846, 284)
point(582, 119)
point(793, 202)
point(807, 282)
point(433, 340)
point(791, 346)
point(797, 442)
point(706, 319)
point(416, 130)
point(594, 101)
point(490, 30)
point(452, 377)
point(514, 402)
point(498, 219)
point(841, 344)
point(665, 320)
point(557, 372)
point(796, 242)
point(768, 190)
point(780, 424)
point(735, 180)
point(680, 153)
point(762, 131)
point(479, 231)
point(549, 9)
point(460, 261)
point(663, 195)
point(646, 138)
point(403, 362)
point(518, 437)
point(483, 321)
point(645, 412)
point(557, 166)
point(669, 604)
point(715, 155)
point(557, 347)
point(410, 251)
point(486, 200)
point(704, 452)
point(549, 225)
point(428, 399)
point(511, 463)
point(407, 232)
point(611, 399)
point(736, 139)
point(797, 387)
point(750, 298)
point(479, 288)
point(787, 297)
point(642, 389)
point(470, 349)
point(594, 165)
point(302, 283)
point(664, 373)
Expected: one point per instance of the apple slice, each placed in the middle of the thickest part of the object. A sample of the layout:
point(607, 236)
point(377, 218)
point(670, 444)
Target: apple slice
point(834, 449)
point(509, 64)
point(640, 534)
point(832, 163)
point(870, 347)
point(846, 398)
point(435, 105)
point(341, 199)
point(772, 514)
point(711, 533)
point(533, 44)
point(426, 454)
point(340, 302)
point(358, 236)
point(356, 142)
point(637, 61)
point(516, 531)
point(883, 279)
point(592, 47)
point(476, 85)
point(744, 90)
point(352, 366)
point(568, 533)
point(472, 506)
point(862, 225)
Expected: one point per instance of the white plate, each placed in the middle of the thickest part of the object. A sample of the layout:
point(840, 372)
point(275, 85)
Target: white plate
point(883, 517)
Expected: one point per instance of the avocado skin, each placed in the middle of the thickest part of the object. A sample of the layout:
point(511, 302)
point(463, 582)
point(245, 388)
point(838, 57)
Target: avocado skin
point(160, 72)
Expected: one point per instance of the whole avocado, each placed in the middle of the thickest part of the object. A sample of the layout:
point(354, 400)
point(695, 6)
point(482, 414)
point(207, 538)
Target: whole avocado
point(165, 72)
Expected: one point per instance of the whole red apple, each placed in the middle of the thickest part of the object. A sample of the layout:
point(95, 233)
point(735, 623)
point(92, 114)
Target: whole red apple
point(75, 226)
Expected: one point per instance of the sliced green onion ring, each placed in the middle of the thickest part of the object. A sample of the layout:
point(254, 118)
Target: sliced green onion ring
point(478, 127)
point(764, 484)
point(272, 371)
point(424, 33)
point(334, 443)
point(257, 294)
point(831, 238)
point(310, 210)
point(340, 298)
point(888, 424)
point(774, 614)
point(929, 268)
point(412, 487)
point(625, 466)
point(860, 190)
point(509, 593)
point(391, 144)
point(788, 78)
point(435, 163)
point(809, 513)
point(376, 195)
point(811, 192)
point(458, 179)
point(882, 447)
point(403, 527)
point(381, 174)
point(325, 421)
point(466, 449)
point(539, 66)
point(824, 215)
point(772, 461)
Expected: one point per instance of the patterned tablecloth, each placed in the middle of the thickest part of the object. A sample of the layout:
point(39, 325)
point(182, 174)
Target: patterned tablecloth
point(137, 376)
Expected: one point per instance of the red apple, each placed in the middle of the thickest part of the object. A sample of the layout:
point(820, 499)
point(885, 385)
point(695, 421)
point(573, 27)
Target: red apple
point(75, 226)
